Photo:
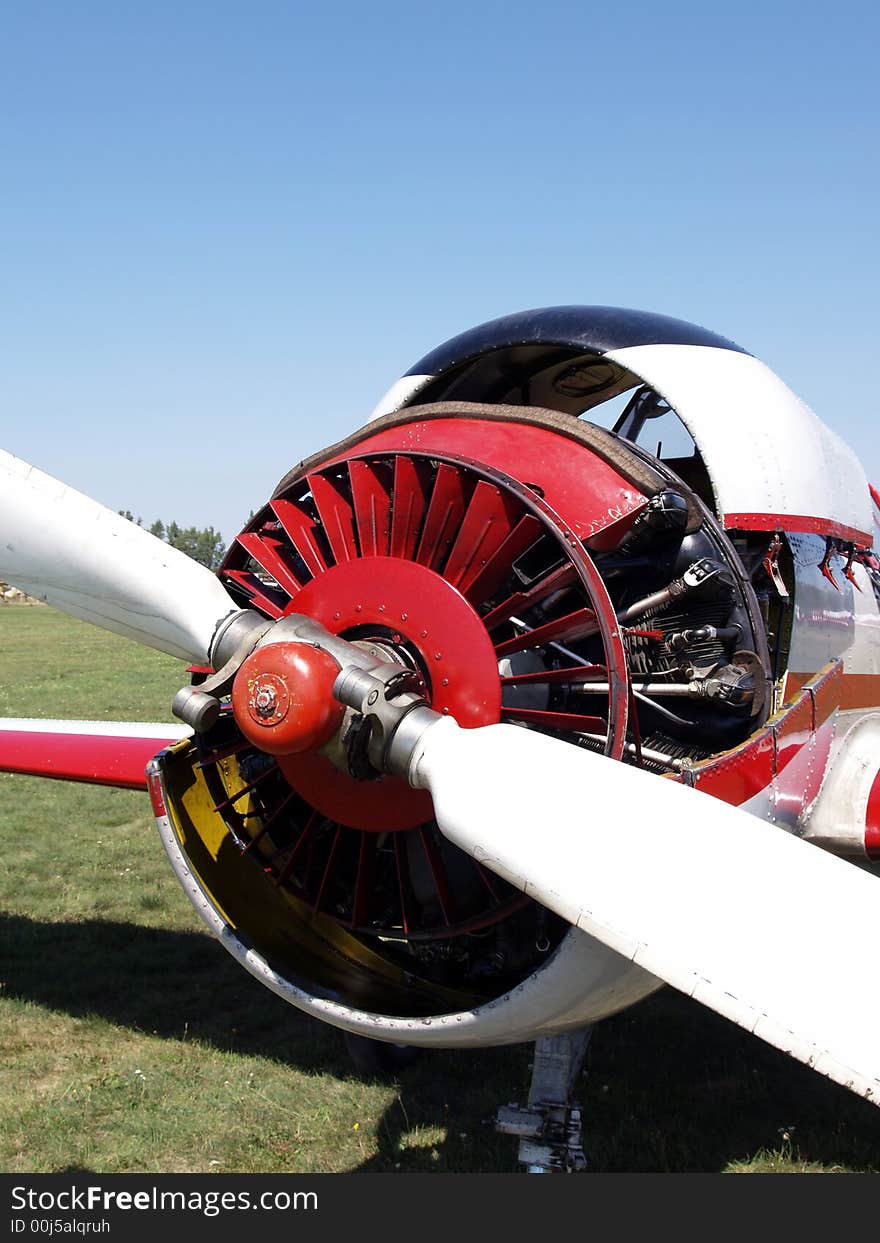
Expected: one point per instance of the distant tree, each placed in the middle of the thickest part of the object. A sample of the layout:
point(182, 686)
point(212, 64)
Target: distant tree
point(210, 549)
point(203, 544)
point(184, 538)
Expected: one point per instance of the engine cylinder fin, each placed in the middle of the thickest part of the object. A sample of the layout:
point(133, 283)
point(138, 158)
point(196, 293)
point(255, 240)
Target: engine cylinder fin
point(372, 508)
point(577, 625)
point(337, 517)
point(304, 837)
point(329, 869)
point(488, 521)
point(412, 488)
point(438, 873)
point(276, 813)
point(557, 579)
point(445, 511)
point(310, 856)
point(497, 568)
point(550, 719)
point(401, 883)
point(211, 758)
point(302, 532)
point(266, 551)
point(246, 789)
point(258, 593)
point(648, 657)
point(558, 677)
point(364, 882)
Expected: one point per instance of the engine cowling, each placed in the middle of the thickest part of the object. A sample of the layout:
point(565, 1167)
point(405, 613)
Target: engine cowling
point(525, 566)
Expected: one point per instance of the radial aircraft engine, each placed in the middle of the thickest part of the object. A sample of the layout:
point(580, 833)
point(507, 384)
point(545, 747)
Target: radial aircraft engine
point(497, 719)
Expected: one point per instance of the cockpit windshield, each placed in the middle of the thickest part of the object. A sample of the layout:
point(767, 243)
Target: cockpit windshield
point(650, 421)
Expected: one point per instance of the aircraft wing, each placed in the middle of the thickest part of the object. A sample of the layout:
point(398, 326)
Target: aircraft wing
point(98, 752)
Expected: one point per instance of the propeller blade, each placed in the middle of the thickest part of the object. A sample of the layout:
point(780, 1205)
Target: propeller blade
point(764, 928)
point(59, 546)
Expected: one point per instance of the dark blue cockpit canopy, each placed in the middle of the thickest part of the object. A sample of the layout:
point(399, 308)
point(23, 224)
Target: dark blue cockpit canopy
point(590, 329)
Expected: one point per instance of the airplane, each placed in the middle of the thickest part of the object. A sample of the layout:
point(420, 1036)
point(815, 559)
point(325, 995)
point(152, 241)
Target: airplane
point(496, 720)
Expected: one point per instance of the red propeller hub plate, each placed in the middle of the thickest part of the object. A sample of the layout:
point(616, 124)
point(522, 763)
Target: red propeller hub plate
point(422, 615)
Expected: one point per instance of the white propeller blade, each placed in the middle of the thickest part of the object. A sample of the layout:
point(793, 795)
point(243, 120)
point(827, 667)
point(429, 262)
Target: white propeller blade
point(62, 547)
point(762, 927)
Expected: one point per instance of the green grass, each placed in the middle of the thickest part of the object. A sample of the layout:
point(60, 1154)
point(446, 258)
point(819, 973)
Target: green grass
point(132, 1042)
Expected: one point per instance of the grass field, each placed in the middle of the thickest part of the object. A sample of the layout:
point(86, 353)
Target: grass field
point(132, 1042)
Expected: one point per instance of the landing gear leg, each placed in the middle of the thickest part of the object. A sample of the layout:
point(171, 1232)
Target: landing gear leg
point(549, 1127)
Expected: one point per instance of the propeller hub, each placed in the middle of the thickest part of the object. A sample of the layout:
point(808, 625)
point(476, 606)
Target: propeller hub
point(268, 700)
point(406, 608)
point(282, 698)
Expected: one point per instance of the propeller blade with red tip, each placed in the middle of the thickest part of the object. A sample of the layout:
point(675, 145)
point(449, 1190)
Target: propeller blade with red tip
point(768, 930)
point(62, 547)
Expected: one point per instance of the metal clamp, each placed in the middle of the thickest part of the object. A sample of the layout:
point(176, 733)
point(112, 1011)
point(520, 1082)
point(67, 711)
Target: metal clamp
point(382, 698)
point(199, 706)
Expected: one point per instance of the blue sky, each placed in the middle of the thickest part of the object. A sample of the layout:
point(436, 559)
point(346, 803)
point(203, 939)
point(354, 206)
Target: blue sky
point(226, 228)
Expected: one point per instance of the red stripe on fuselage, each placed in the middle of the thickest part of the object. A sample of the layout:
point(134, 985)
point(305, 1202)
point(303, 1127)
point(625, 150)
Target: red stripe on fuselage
point(800, 523)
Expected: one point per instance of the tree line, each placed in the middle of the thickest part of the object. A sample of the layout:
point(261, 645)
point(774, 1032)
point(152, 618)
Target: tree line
point(203, 544)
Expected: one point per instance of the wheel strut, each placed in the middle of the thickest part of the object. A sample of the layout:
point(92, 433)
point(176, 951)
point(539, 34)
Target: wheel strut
point(549, 1127)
